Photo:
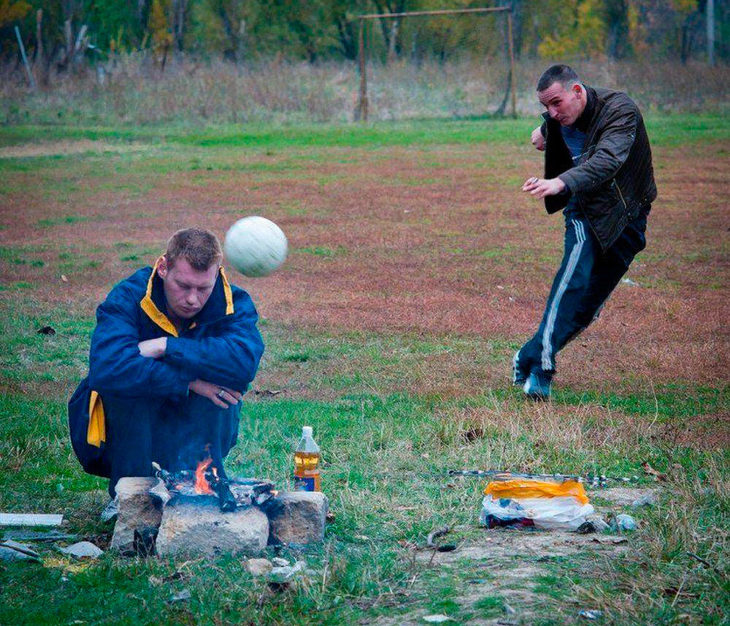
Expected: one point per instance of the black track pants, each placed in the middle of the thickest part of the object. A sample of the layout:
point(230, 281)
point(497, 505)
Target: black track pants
point(581, 286)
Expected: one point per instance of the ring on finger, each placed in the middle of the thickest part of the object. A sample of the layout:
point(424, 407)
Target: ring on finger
point(221, 393)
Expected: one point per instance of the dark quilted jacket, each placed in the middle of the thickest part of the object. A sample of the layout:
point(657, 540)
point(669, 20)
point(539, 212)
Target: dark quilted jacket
point(614, 179)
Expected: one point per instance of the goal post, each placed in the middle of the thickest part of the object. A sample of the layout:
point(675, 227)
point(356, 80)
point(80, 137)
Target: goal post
point(362, 108)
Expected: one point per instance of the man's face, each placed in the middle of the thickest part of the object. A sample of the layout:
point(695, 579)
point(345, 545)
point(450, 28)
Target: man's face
point(563, 105)
point(186, 289)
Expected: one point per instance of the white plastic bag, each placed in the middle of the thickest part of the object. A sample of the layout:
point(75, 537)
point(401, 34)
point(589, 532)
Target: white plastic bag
point(558, 513)
point(544, 504)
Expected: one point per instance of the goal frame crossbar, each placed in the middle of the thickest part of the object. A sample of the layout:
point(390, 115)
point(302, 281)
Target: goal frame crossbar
point(362, 106)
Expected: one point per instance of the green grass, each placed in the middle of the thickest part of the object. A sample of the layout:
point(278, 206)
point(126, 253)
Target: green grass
point(388, 428)
point(664, 131)
point(385, 458)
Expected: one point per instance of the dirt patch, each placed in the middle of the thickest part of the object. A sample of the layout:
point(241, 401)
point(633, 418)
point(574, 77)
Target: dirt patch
point(623, 496)
point(408, 241)
point(62, 148)
point(510, 568)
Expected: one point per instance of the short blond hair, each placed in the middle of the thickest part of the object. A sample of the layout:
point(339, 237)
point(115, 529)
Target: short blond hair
point(197, 246)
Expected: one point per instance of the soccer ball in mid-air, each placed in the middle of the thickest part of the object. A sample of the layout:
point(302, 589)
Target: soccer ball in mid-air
point(255, 246)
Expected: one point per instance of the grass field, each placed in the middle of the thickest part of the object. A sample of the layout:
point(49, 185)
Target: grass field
point(416, 269)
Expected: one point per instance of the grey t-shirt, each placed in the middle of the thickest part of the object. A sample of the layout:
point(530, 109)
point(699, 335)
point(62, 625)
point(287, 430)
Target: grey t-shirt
point(575, 140)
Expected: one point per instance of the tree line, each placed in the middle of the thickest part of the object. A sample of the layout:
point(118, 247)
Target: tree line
point(60, 33)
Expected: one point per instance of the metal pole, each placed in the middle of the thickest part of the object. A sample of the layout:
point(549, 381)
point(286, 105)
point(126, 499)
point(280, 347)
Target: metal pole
point(440, 12)
point(363, 77)
point(31, 80)
point(512, 64)
point(710, 32)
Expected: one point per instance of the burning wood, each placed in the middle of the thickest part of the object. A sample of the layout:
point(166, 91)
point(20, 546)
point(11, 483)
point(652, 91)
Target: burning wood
point(205, 480)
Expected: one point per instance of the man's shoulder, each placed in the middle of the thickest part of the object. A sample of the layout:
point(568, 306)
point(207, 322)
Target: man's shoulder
point(615, 99)
point(132, 288)
point(241, 297)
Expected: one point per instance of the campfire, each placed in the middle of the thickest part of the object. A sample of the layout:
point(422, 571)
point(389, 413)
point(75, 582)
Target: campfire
point(206, 481)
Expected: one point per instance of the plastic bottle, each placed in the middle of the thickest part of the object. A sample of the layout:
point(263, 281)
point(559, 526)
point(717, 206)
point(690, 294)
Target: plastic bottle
point(306, 460)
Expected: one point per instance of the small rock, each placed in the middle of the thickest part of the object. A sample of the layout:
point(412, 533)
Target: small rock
point(83, 550)
point(281, 575)
point(508, 609)
point(631, 283)
point(436, 619)
point(137, 511)
point(625, 522)
point(277, 561)
point(13, 551)
point(591, 613)
point(110, 511)
point(297, 517)
point(645, 500)
point(258, 567)
point(183, 596)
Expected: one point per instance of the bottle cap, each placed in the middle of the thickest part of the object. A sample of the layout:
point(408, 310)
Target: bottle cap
point(306, 431)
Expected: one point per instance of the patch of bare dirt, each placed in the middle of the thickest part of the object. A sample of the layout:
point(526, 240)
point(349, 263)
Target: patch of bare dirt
point(508, 564)
point(420, 242)
point(62, 148)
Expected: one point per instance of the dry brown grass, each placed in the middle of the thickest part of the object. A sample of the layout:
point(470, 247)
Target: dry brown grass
point(133, 89)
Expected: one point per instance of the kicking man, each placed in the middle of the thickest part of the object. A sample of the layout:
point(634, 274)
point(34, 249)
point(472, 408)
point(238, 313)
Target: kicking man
point(598, 170)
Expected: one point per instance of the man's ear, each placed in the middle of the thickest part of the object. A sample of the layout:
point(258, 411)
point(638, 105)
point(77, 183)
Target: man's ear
point(577, 89)
point(162, 267)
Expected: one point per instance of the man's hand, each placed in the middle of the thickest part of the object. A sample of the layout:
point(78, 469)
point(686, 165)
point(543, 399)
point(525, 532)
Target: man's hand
point(220, 396)
point(541, 187)
point(537, 139)
point(153, 348)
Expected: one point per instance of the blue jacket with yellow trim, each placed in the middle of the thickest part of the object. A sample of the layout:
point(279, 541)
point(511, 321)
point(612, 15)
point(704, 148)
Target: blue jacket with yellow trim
point(221, 345)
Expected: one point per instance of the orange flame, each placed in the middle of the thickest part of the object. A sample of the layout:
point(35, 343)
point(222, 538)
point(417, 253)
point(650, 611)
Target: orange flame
point(201, 483)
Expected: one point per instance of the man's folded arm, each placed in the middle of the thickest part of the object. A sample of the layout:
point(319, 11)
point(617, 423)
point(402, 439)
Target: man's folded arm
point(229, 359)
point(116, 366)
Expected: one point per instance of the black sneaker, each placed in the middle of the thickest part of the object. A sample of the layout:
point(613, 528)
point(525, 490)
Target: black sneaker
point(537, 386)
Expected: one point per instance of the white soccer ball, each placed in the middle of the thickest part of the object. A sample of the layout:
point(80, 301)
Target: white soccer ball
point(255, 246)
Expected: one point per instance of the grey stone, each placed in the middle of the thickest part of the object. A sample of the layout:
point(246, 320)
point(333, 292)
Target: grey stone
point(13, 551)
point(197, 526)
point(286, 574)
point(297, 517)
point(137, 511)
point(277, 561)
point(83, 549)
point(110, 512)
point(258, 567)
point(645, 500)
point(625, 522)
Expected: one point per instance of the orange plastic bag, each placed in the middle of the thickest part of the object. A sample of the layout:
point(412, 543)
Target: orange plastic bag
point(536, 489)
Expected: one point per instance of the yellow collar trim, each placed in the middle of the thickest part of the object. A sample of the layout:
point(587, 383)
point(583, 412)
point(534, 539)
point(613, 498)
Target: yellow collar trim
point(149, 307)
point(227, 291)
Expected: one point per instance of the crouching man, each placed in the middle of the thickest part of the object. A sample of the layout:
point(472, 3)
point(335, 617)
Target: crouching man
point(174, 349)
